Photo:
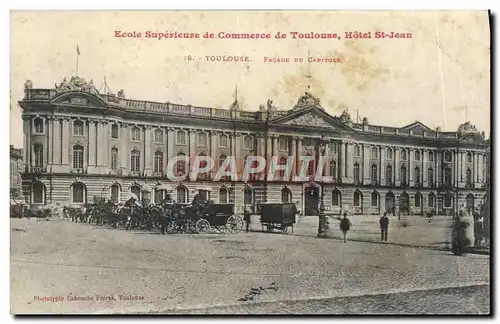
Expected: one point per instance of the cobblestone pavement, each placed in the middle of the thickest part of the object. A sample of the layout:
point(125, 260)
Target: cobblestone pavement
point(59, 258)
point(474, 300)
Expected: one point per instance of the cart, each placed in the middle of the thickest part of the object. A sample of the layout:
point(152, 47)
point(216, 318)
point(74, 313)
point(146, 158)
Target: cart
point(220, 217)
point(277, 216)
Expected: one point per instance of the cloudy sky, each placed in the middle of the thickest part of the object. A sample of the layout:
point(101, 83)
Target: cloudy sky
point(431, 77)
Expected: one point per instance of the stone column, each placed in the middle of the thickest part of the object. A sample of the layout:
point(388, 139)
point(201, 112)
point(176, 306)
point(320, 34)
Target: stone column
point(50, 143)
point(326, 166)
point(275, 145)
point(480, 169)
point(397, 156)
point(298, 163)
point(147, 151)
point(382, 170)
point(124, 149)
point(411, 167)
point(437, 168)
point(294, 154)
point(237, 153)
point(366, 178)
point(170, 143)
point(349, 164)
point(65, 145)
point(342, 158)
point(453, 171)
point(92, 147)
point(26, 141)
point(464, 168)
point(425, 167)
point(102, 147)
point(56, 157)
point(214, 152)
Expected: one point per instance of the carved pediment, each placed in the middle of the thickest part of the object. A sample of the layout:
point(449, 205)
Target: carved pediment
point(309, 119)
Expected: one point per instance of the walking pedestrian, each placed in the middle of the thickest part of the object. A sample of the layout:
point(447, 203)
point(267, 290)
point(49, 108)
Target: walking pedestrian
point(345, 225)
point(246, 217)
point(384, 225)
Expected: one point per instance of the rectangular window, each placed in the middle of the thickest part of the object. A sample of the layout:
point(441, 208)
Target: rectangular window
point(114, 131)
point(78, 128)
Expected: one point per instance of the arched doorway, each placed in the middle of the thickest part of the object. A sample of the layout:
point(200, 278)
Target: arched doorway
point(311, 199)
point(469, 203)
point(404, 204)
point(419, 208)
point(286, 195)
point(390, 203)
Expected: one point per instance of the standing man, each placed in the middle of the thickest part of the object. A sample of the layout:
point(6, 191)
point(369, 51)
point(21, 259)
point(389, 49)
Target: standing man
point(246, 217)
point(345, 225)
point(384, 225)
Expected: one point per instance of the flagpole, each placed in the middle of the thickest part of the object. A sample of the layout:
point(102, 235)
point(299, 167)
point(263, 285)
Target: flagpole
point(77, 64)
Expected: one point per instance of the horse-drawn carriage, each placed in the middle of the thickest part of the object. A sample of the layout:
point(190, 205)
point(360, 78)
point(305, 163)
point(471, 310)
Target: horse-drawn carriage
point(278, 216)
point(219, 217)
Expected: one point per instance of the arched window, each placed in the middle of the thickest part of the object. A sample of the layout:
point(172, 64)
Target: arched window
point(114, 131)
point(417, 155)
point(374, 199)
point(158, 162)
point(286, 195)
point(430, 176)
point(333, 169)
point(403, 175)
point(388, 174)
point(181, 164)
point(253, 165)
point(38, 193)
point(202, 139)
point(431, 200)
point(374, 174)
point(182, 195)
point(248, 142)
point(283, 144)
point(417, 175)
point(79, 193)
point(356, 150)
point(77, 157)
point(181, 137)
point(403, 155)
point(469, 177)
point(447, 176)
point(336, 197)
point(418, 200)
point(78, 128)
point(115, 193)
point(158, 136)
point(223, 140)
point(374, 152)
point(136, 190)
point(356, 172)
point(135, 160)
point(469, 157)
point(223, 195)
point(114, 158)
point(248, 196)
point(136, 134)
point(38, 152)
point(357, 199)
point(38, 123)
point(222, 159)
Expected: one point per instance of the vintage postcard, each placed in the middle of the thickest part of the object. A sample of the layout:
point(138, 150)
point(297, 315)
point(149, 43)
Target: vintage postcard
point(250, 162)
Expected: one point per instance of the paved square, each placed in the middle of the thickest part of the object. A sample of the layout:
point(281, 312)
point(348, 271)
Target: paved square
point(161, 273)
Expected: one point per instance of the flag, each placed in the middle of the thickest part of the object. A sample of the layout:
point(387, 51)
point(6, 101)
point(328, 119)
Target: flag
point(77, 50)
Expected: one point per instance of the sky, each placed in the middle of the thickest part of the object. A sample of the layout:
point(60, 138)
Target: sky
point(430, 77)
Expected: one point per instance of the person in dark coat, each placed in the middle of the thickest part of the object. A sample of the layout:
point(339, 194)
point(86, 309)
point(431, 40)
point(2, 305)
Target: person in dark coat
point(345, 225)
point(384, 225)
point(246, 218)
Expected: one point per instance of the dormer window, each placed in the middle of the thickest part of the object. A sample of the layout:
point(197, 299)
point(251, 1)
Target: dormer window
point(38, 125)
point(78, 128)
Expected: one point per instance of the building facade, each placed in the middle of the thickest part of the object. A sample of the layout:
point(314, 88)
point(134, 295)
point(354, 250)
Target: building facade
point(80, 144)
point(16, 171)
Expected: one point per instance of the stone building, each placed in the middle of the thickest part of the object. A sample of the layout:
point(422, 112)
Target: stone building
point(80, 144)
point(16, 170)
